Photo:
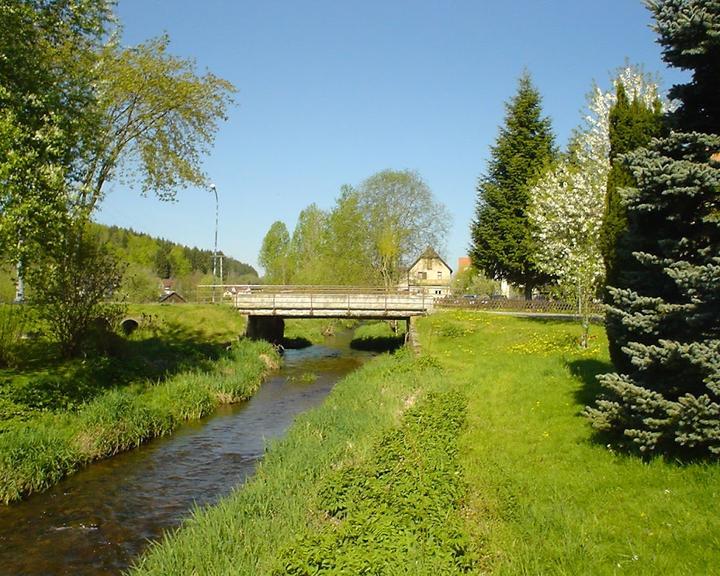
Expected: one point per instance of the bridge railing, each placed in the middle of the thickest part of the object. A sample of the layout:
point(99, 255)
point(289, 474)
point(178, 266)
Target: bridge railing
point(318, 300)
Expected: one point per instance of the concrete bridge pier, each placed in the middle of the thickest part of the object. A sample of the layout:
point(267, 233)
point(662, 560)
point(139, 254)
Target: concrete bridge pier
point(270, 328)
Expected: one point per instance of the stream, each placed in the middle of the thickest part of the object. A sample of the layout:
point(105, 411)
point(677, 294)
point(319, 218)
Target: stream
point(100, 519)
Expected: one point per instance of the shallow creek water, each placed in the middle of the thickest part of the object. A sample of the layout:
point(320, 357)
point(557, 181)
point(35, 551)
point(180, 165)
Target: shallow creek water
point(101, 518)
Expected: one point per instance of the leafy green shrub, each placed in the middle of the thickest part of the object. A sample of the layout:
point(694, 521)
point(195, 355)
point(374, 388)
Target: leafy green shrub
point(73, 290)
point(398, 512)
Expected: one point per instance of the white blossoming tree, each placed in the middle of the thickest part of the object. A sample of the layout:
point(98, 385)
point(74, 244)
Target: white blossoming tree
point(566, 215)
point(568, 202)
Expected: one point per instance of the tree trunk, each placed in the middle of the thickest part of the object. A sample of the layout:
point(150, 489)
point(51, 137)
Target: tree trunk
point(528, 292)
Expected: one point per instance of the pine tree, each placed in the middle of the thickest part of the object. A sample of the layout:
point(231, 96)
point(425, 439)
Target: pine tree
point(668, 317)
point(689, 33)
point(666, 394)
point(631, 125)
point(501, 242)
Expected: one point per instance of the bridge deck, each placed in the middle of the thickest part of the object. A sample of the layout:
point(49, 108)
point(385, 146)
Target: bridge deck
point(339, 302)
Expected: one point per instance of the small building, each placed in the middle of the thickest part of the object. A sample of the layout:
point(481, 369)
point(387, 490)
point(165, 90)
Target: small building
point(172, 297)
point(429, 274)
point(464, 263)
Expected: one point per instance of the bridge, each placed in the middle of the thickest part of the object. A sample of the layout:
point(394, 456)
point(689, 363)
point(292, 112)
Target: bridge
point(268, 306)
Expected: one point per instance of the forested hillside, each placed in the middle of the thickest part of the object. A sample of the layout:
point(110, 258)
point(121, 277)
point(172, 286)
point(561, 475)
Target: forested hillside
point(149, 260)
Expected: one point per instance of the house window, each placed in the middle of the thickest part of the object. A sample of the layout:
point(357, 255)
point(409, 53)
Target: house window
point(422, 275)
point(428, 264)
point(439, 274)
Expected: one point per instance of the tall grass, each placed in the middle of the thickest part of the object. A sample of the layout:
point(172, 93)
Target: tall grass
point(36, 455)
point(245, 532)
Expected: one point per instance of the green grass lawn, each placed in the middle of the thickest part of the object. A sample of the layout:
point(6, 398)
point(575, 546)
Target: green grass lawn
point(546, 495)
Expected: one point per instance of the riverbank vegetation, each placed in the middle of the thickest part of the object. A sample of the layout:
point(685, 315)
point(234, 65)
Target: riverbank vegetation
point(57, 415)
point(533, 490)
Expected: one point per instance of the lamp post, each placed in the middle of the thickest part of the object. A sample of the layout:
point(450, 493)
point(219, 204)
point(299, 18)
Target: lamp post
point(213, 188)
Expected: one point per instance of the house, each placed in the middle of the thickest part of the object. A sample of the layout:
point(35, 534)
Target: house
point(464, 263)
point(172, 297)
point(429, 274)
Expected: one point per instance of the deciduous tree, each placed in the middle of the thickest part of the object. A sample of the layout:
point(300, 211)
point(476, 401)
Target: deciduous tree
point(274, 254)
point(568, 203)
point(158, 117)
point(48, 53)
point(402, 219)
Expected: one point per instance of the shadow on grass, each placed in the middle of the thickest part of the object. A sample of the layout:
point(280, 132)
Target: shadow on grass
point(45, 381)
point(586, 370)
point(378, 343)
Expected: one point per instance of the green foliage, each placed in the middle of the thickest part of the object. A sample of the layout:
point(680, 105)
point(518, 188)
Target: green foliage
point(47, 98)
point(274, 254)
point(666, 317)
point(347, 242)
point(402, 219)
point(397, 512)
point(368, 238)
point(632, 125)
point(663, 319)
point(72, 290)
point(306, 249)
point(472, 281)
point(158, 117)
point(689, 33)
point(501, 241)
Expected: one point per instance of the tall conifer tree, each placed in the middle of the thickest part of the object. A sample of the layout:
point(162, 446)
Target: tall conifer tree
point(632, 124)
point(666, 394)
point(501, 242)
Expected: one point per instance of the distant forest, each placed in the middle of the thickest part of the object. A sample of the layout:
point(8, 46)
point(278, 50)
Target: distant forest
point(151, 260)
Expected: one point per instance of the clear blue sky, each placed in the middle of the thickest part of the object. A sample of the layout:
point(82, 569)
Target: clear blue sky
point(332, 91)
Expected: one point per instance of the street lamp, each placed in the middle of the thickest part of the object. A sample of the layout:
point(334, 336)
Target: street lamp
point(213, 188)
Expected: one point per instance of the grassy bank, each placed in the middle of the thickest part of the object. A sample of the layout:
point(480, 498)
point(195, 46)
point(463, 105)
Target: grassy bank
point(178, 366)
point(170, 340)
point(546, 495)
point(531, 489)
point(248, 532)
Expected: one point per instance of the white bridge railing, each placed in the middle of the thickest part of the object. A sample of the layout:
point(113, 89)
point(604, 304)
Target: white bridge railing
point(322, 301)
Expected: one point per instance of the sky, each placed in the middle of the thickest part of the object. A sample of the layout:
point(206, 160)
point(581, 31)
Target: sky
point(332, 91)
